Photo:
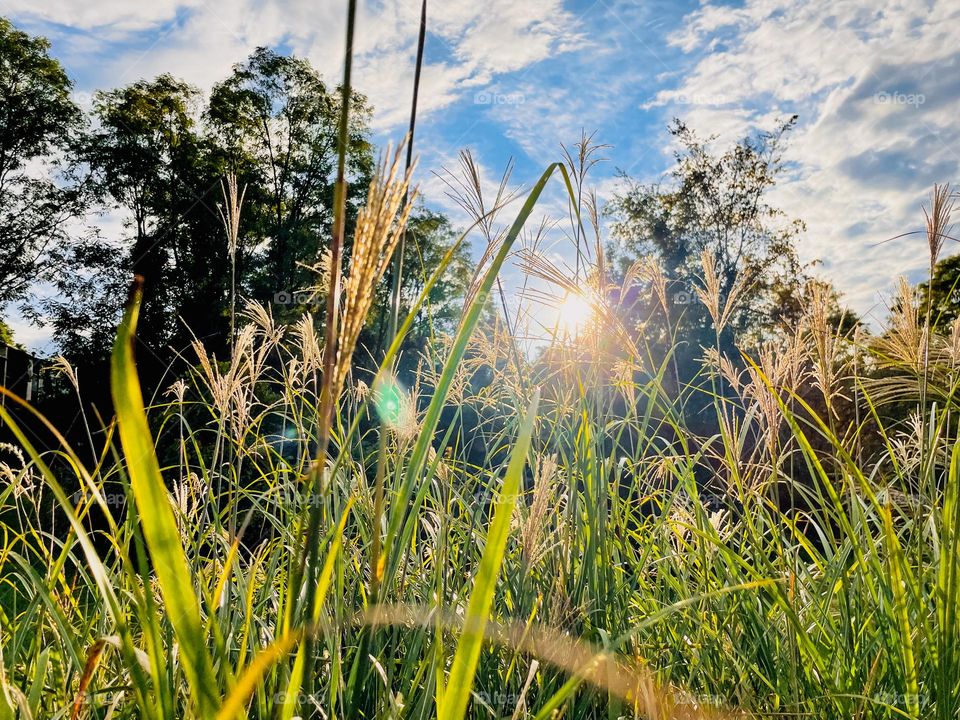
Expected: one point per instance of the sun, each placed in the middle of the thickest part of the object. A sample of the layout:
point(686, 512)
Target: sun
point(573, 315)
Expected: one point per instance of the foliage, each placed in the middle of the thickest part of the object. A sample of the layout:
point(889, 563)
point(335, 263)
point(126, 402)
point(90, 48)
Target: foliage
point(146, 156)
point(275, 122)
point(942, 292)
point(716, 203)
point(39, 123)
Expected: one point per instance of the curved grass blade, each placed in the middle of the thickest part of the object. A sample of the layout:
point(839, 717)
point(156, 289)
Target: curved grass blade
point(457, 694)
point(403, 508)
point(156, 514)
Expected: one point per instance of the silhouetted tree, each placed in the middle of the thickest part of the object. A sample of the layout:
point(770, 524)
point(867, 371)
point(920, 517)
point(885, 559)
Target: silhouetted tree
point(715, 203)
point(276, 121)
point(942, 293)
point(39, 126)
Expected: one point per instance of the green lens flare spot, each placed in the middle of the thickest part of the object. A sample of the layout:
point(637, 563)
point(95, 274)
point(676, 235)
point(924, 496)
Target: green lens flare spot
point(389, 401)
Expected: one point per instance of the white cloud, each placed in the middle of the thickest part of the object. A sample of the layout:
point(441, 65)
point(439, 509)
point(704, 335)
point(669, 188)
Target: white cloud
point(877, 91)
point(117, 41)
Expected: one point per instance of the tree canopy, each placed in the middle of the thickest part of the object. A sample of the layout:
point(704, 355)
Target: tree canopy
point(39, 125)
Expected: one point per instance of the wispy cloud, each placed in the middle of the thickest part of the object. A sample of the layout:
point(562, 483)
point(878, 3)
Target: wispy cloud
point(877, 92)
point(876, 88)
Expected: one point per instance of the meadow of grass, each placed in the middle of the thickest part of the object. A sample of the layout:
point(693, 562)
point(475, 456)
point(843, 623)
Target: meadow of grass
point(506, 536)
point(271, 565)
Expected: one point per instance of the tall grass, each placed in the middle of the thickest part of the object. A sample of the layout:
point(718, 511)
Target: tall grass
point(276, 538)
point(581, 567)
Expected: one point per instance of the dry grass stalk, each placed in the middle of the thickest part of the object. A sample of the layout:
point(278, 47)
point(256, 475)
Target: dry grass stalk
point(711, 294)
point(230, 211)
point(937, 219)
point(466, 190)
point(380, 225)
point(824, 342)
point(230, 216)
point(781, 367)
point(905, 340)
point(542, 505)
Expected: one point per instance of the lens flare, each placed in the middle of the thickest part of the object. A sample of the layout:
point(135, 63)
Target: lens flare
point(574, 315)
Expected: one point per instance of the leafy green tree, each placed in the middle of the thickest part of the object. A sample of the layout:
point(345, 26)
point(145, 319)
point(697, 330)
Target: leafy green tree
point(151, 160)
point(85, 307)
point(39, 126)
point(276, 121)
point(6, 334)
point(942, 293)
point(716, 203)
point(159, 157)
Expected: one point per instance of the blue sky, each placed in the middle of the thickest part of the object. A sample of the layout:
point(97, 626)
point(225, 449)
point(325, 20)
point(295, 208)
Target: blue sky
point(876, 86)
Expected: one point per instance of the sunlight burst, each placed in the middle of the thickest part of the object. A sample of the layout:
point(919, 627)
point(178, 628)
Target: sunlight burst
point(573, 315)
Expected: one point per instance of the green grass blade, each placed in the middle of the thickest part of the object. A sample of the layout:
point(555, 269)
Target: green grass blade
point(156, 515)
point(458, 350)
point(457, 693)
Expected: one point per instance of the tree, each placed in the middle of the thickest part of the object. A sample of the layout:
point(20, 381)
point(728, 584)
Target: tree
point(942, 293)
point(6, 334)
point(85, 307)
point(429, 237)
point(151, 161)
point(39, 126)
point(716, 204)
point(277, 123)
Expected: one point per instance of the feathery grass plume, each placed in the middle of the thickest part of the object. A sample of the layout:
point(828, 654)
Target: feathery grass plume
point(542, 507)
point(937, 221)
point(177, 390)
point(951, 348)
point(232, 390)
point(824, 347)
point(21, 479)
point(711, 294)
point(902, 345)
point(650, 270)
point(908, 445)
point(189, 499)
point(721, 364)
point(579, 163)
point(592, 205)
point(776, 375)
point(396, 406)
point(320, 271)
point(229, 212)
point(308, 345)
point(623, 379)
point(380, 224)
point(465, 188)
point(62, 366)
point(260, 318)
